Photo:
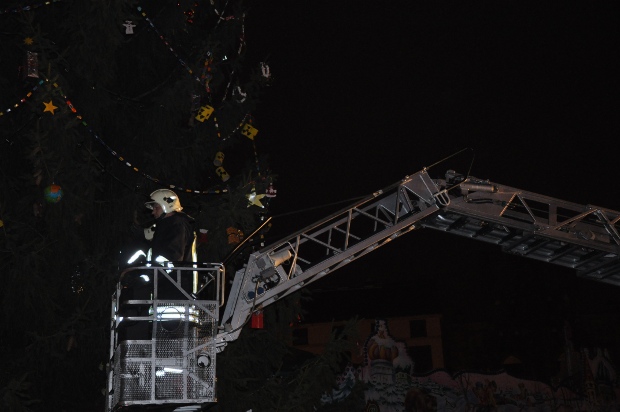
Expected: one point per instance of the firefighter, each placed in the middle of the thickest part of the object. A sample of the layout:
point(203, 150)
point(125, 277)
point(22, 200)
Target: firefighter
point(172, 237)
point(172, 242)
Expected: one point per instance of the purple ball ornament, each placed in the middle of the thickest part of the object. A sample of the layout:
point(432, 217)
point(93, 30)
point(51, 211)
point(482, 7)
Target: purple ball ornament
point(53, 193)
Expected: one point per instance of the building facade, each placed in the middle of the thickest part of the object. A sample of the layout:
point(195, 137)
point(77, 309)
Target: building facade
point(418, 336)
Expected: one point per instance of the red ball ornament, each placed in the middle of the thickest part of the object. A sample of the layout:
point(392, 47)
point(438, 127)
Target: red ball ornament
point(53, 193)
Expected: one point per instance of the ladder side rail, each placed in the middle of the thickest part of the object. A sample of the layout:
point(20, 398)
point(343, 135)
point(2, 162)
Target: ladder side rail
point(610, 227)
point(164, 272)
point(384, 211)
point(584, 220)
point(414, 184)
point(323, 267)
point(110, 369)
point(336, 262)
point(600, 242)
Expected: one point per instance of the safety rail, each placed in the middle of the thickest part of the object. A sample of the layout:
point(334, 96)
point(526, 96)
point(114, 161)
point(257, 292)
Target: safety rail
point(162, 340)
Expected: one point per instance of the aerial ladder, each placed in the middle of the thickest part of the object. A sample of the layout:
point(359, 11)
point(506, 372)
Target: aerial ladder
point(172, 359)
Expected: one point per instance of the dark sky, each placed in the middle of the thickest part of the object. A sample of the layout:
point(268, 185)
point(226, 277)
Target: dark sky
point(365, 93)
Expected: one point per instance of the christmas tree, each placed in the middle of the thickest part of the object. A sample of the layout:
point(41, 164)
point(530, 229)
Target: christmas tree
point(101, 103)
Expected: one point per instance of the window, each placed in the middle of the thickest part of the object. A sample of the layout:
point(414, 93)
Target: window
point(417, 328)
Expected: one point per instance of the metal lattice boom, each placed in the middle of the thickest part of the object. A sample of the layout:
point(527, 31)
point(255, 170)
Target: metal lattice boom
point(584, 238)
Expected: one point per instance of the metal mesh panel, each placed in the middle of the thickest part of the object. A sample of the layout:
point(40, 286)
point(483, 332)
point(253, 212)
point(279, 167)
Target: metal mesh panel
point(202, 383)
point(169, 382)
point(134, 349)
point(169, 348)
point(134, 372)
point(177, 366)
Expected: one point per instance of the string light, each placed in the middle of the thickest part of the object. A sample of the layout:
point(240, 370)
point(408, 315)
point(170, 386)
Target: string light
point(29, 7)
point(167, 44)
point(122, 159)
point(72, 108)
point(23, 99)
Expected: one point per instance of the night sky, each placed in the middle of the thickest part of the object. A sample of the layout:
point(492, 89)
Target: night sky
point(365, 93)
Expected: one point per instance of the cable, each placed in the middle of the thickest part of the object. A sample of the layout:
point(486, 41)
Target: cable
point(354, 199)
point(448, 157)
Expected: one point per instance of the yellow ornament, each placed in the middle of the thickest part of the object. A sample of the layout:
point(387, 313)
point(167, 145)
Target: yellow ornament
point(204, 113)
point(222, 173)
point(219, 159)
point(49, 107)
point(249, 131)
point(254, 199)
point(1, 223)
point(28, 41)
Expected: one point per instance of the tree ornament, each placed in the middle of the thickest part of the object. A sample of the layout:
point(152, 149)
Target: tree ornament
point(254, 199)
point(206, 75)
point(204, 113)
point(270, 192)
point(53, 193)
point(249, 131)
point(234, 235)
point(1, 223)
point(265, 71)
point(239, 92)
point(222, 173)
point(129, 26)
point(190, 14)
point(207, 79)
point(28, 41)
point(31, 68)
point(49, 107)
point(219, 159)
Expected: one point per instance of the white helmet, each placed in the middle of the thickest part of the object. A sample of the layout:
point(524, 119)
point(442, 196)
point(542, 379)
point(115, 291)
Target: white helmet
point(167, 199)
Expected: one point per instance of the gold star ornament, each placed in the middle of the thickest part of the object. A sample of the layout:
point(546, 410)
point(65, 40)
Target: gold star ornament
point(28, 41)
point(49, 107)
point(254, 199)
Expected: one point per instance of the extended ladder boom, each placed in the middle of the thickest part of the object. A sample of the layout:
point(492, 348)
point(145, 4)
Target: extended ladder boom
point(584, 238)
point(581, 237)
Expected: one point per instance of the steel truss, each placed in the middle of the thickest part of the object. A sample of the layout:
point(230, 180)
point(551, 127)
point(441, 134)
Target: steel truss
point(581, 237)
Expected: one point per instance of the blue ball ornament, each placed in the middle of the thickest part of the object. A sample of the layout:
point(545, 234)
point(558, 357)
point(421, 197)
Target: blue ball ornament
point(53, 193)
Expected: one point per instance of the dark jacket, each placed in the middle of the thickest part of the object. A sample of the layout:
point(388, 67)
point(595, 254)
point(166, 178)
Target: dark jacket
point(174, 237)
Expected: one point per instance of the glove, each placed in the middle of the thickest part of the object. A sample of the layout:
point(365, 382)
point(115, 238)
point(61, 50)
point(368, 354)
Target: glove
point(149, 232)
